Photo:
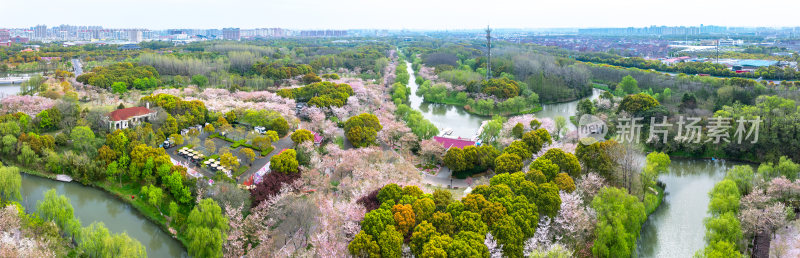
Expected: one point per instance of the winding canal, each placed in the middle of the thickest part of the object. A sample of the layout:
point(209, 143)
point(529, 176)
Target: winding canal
point(92, 205)
point(675, 229)
point(464, 124)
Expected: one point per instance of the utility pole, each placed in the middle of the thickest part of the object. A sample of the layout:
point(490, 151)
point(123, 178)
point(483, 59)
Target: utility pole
point(488, 53)
point(718, 51)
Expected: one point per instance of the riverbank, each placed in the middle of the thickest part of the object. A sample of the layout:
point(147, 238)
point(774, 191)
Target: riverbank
point(123, 194)
point(712, 156)
point(453, 101)
point(675, 228)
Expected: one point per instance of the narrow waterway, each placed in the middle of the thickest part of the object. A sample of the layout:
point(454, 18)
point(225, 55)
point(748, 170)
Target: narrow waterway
point(676, 228)
point(92, 205)
point(464, 124)
point(444, 116)
point(10, 82)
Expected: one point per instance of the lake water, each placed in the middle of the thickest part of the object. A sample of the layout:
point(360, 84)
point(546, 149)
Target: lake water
point(7, 89)
point(92, 205)
point(675, 229)
point(464, 124)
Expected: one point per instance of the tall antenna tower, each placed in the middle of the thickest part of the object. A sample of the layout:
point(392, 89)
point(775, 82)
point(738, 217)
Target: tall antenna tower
point(718, 51)
point(488, 53)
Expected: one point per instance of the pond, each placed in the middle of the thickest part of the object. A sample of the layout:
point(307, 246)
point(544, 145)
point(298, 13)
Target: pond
point(9, 82)
point(91, 204)
point(466, 125)
point(676, 228)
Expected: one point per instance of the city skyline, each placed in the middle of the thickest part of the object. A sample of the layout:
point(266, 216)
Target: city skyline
point(411, 15)
point(575, 29)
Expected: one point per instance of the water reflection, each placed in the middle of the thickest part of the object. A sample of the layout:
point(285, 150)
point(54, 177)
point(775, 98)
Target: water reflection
point(444, 116)
point(465, 124)
point(676, 228)
point(92, 205)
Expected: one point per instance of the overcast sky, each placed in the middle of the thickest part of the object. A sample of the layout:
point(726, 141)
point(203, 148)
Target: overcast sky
point(408, 14)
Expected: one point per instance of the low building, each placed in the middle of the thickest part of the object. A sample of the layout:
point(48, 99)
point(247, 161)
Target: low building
point(129, 47)
point(448, 143)
point(18, 39)
point(675, 60)
point(318, 138)
point(127, 117)
point(755, 64)
point(231, 34)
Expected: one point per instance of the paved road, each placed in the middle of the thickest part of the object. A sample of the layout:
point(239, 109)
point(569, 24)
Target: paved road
point(443, 179)
point(76, 65)
point(172, 152)
point(284, 143)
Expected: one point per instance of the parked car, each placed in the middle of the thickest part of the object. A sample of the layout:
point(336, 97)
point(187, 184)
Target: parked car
point(260, 129)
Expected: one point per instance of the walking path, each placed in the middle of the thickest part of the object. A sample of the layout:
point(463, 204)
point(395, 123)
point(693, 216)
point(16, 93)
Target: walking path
point(172, 152)
point(76, 66)
point(443, 179)
point(280, 145)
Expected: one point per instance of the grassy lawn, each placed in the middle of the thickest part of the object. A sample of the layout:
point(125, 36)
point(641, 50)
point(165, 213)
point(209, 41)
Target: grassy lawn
point(241, 171)
point(266, 152)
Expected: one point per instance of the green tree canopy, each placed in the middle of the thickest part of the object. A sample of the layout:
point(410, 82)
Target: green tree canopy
point(455, 159)
point(97, 241)
point(285, 162)
point(566, 162)
point(507, 163)
point(637, 103)
point(629, 85)
point(301, 135)
point(206, 229)
point(619, 219)
point(362, 130)
point(82, 137)
point(10, 184)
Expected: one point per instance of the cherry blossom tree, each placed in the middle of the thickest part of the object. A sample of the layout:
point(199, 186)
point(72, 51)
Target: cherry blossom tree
point(16, 241)
point(548, 124)
point(431, 150)
point(755, 221)
point(786, 242)
point(589, 185)
point(392, 130)
point(782, 189)
point(30, 105)
point(543, 237)
point(525, 120)
point(338, 223)
point(574, 224)
point(756, 199)
point(495, 250)
point(234, 246)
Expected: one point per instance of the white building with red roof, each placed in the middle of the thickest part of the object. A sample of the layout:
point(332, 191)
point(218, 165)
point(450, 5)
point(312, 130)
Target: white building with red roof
point(127, 117)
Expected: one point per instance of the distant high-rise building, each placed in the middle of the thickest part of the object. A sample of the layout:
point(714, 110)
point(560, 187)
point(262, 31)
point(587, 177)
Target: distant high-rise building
point(323, 33)
point(231, 34)
point(135, 35)
point(5, 35)
point(40, 31)
point(176, 31)
point(213, 33)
